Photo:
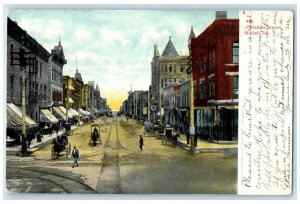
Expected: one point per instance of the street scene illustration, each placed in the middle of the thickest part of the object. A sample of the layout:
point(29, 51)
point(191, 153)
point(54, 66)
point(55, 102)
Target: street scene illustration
point(122, 101)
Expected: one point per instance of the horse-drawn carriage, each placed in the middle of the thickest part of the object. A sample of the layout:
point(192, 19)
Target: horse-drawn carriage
point(60, 144)
point(95, 134)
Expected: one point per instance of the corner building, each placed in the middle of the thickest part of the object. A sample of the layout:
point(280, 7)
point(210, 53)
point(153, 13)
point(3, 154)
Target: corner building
point(215, 63)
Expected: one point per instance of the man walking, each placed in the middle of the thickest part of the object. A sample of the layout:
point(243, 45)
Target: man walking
point(75, 155)
point(141, 142)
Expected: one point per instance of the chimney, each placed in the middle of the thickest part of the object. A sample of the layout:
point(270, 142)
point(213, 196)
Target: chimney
point(221, 15)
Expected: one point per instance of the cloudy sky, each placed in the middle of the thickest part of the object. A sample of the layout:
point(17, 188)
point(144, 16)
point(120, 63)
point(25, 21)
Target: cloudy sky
point(113, 48)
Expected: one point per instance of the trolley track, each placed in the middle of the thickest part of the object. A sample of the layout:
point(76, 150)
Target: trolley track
point(110, 179)
point(67, 184)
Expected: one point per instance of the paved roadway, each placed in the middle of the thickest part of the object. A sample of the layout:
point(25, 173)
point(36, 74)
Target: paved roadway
point(118, 166)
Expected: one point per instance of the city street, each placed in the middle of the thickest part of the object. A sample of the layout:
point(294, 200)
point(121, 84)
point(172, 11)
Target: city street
point(118, 166)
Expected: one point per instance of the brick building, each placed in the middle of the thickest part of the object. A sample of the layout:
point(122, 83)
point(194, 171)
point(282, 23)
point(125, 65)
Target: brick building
point(37, 76)
point(215, 63)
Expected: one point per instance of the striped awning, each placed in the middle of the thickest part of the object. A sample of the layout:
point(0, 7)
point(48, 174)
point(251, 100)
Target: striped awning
point(63, 109)
point(74, 112)
point(83, 112)
point(47, 117)
point(71, 100)
point(59, 114)
point(14, 117)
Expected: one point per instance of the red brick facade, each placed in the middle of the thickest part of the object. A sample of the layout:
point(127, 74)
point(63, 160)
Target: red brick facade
point(214, 61)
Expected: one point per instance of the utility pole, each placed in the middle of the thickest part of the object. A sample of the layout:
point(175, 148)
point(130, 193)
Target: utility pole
point(159, 102)
point(86, 98)
point(190, 72)
point(23, 63)
point(148, 105)
point(67, 100)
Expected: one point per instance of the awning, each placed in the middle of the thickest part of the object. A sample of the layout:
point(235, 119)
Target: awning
point(95, 110)
point(59, 114)
point(74, 112)
point(47, 117)
point(63, 109)
point(71, 100)
point(83, 112)
point(14, 117)
point(71, 87)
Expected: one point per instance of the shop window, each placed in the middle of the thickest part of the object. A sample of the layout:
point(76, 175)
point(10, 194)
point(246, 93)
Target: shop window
point(235, 52)
point(235, 87)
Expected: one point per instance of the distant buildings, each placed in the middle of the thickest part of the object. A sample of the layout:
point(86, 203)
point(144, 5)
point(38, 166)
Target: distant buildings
point(47, 92)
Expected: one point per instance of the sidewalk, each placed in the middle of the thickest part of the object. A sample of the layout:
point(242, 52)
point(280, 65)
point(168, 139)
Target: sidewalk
point(225, 147)
point(34, 145)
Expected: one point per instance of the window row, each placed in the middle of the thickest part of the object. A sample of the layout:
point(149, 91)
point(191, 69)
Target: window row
point(167, 82)
point(173, 68)
point(210, 62)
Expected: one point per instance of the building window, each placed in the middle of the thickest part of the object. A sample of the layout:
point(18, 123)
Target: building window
point(175, 68)
point(11, 88)
point(211, 58)
point(195, 90)
point(174, 80)
point(235, 87)
point(235, 52)
point(41, 68)
point(166, 69)
point(182, 68)
point(170, 68)
point(202, 64)
point(202, 89)
point(36, 67)
point(211, 86)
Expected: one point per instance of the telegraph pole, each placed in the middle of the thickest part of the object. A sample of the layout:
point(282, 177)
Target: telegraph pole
point(67, 100)
point(148, 105)
point(23, 63)
point(159, 96)
point(190, 72)
point(23, 102)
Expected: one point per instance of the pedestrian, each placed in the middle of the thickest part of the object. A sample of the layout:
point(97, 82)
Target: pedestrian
point(50, 130)
point(187, 132)
point(75, 155)
point(141, 142)
point(57, 129)
point(29, 138)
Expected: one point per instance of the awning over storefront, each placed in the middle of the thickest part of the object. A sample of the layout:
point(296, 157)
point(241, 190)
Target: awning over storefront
point(71, 100)
point(95, 110)
point(63, 109)
point(58, 113)
point(83, 112)
point(14, 117)
point(71, 87)
point(74, 112)
point(47, 117)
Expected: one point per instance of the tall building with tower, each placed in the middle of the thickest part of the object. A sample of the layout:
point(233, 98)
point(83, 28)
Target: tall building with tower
point(57, 61)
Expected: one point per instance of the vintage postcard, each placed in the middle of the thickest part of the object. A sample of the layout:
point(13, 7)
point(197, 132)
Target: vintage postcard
point(149, 101)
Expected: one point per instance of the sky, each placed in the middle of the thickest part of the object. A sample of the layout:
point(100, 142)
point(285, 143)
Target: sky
point(114, 48)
